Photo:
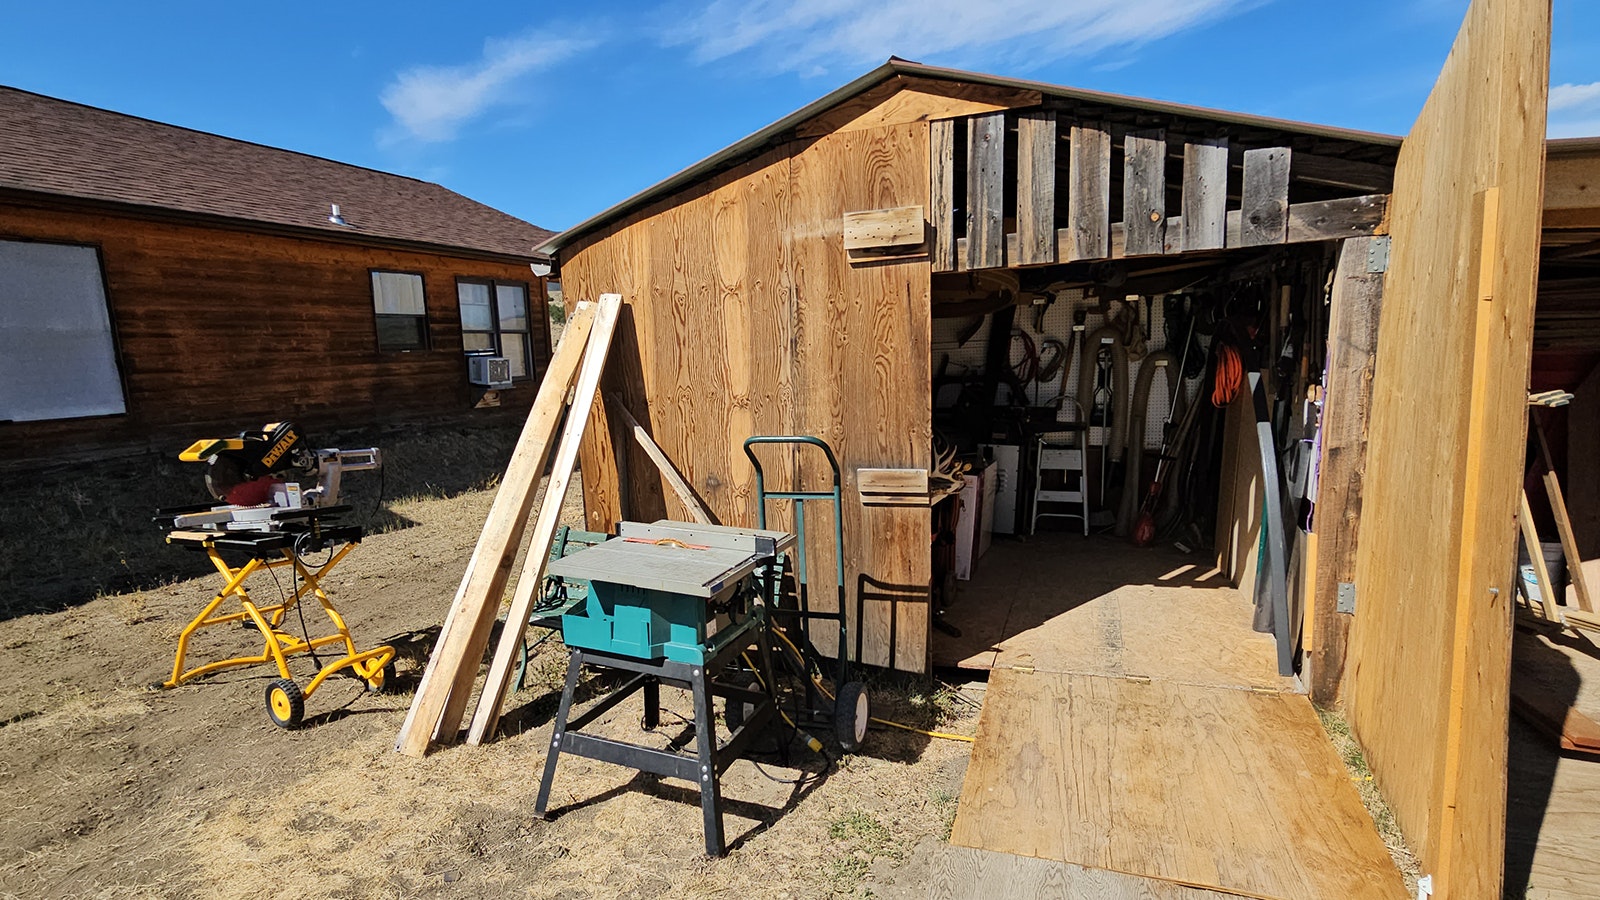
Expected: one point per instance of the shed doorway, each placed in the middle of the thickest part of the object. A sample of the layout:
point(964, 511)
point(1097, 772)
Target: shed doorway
point(1117, 513)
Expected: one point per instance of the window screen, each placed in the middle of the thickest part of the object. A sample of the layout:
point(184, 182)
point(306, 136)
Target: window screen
point(57, 356)
point(397, 301)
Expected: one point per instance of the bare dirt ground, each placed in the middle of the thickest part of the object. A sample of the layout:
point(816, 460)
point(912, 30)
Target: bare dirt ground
point(109, 789)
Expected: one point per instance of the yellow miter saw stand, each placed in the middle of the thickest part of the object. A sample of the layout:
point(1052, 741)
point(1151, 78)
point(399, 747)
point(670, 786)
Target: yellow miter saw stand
point(267, 520)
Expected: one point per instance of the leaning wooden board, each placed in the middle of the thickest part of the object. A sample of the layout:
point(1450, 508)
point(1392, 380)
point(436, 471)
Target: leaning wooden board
point(1230, 790)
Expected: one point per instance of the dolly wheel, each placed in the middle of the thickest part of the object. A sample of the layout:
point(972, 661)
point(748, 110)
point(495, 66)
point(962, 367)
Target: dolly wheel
point(851, 713)
point(286, 704)
point(382, 679)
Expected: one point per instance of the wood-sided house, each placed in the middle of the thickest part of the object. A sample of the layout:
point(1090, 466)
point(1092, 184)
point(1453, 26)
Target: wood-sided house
point(826, 276)
point(159, 284)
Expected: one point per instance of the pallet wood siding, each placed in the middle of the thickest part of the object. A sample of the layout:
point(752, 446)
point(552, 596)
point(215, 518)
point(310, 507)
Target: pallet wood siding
point(1086, 233)
point(1430, 647)
point(221, 329)
point(747, 318)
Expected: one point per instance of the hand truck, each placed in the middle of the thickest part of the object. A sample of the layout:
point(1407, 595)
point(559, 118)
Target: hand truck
point(850, 709)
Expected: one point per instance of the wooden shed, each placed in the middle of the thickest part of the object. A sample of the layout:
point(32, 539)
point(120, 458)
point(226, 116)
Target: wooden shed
point(828, 274)
point(158, 284)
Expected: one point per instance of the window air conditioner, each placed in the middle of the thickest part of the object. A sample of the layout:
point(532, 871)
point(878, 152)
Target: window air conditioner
point(489, 371)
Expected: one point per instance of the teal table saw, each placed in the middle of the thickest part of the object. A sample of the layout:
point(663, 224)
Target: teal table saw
point(677, 604)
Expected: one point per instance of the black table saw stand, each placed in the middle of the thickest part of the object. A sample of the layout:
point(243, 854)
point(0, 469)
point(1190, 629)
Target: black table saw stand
point(710, 760)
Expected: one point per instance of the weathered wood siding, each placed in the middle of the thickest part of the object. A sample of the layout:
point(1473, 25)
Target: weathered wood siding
point(219, 330)
point(1430, 647)
point(744, 316)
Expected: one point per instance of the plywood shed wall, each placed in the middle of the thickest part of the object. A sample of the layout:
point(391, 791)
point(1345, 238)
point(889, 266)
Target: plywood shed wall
point(1430, 646)
point(744, 316)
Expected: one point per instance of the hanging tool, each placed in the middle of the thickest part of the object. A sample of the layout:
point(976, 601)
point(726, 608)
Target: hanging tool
point(1144, 531)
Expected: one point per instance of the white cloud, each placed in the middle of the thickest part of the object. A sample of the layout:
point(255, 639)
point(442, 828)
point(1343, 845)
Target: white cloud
point(801, 35)
point(1575, 96)
point(432, 102)
point(1575, 110)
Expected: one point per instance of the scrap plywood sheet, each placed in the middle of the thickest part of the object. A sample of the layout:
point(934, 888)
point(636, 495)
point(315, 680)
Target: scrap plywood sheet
point(1222, 789)
point(1445, 454)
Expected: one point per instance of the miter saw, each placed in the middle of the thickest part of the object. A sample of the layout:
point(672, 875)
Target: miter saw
point(268, 521)
point(259, 472)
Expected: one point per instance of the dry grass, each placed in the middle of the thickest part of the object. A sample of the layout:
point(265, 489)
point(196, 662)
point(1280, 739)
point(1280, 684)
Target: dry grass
point(191, 793)
point(1355, 762)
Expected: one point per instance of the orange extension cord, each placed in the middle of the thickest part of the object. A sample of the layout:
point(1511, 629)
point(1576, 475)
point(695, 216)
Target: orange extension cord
point(1230, 374)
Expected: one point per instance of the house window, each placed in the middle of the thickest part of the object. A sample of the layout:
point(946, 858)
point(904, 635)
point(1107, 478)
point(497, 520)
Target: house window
point(402, 315)
point(494, 320)
point(57, 356)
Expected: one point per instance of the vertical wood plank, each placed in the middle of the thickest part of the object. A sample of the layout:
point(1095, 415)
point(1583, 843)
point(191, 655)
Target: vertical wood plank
point(1089, 193)
point(1346, 407)
point(1144, 192)
point(1205, 194)
point(942, 191)
point(1265, 210)
point(986, 172)
point(1036, 188)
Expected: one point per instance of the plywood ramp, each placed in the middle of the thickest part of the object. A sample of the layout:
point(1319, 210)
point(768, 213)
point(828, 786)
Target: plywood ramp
point(1060, 603)
point(1217, 788)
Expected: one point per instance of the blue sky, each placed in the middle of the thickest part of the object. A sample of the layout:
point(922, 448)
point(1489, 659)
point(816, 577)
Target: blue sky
point(554, 111)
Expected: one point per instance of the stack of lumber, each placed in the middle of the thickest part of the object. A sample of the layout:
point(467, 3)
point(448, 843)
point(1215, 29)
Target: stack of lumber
point(442, 695)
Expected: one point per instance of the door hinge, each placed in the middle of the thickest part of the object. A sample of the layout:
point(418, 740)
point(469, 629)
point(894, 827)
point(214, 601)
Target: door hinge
point(1378, 255)
point(1346, 602)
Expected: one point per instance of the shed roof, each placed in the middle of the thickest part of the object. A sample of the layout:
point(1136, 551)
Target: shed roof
point(780, 129)
point(57, 147)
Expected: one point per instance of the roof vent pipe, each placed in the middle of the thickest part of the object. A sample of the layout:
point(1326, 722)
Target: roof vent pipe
point(335, 218)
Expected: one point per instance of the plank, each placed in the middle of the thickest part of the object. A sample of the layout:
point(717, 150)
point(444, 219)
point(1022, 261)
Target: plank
point(1205, 194)
point(964, 873)
point(986, 176)
point(942, 193)
point(1530, 537)
point(892, 481)
point(1089, 193)
point(1570, 729)
point(1036, 188)
point(1312, 222)
point(1569, 542)
point(1265, 206)
point(1144, 192)
point(880, 229)
point(537, 556)
point(465, 632)
point(1354, 308)
point(691, 504)
point(1441, 490)
point(1333, 220)
point(1249, 797)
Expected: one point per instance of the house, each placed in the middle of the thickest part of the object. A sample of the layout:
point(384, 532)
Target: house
point(161, 284)
point(834, 273)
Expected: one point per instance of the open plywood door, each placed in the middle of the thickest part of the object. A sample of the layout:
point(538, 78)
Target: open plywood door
point(1429, 655)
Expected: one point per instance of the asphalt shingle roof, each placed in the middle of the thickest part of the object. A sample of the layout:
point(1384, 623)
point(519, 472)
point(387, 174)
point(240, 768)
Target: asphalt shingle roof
point(58, 147)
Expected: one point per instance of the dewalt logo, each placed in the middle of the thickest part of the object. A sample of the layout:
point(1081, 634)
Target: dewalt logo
point(278, 449)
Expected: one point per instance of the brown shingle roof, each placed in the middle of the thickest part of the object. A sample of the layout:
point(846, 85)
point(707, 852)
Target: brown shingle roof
point(57, 147)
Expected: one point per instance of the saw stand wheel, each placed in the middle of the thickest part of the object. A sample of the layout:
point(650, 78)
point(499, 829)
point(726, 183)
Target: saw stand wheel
point(286, 704)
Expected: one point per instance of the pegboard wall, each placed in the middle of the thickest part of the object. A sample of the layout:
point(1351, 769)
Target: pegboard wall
point(968, 358)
